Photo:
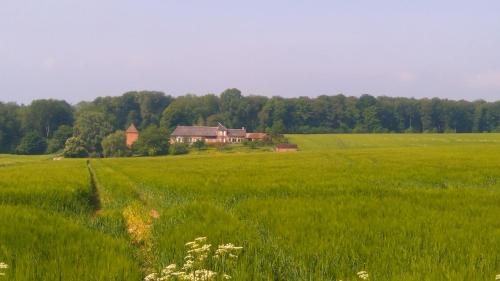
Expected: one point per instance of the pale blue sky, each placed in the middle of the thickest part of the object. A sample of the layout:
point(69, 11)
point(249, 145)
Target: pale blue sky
point(77, 50)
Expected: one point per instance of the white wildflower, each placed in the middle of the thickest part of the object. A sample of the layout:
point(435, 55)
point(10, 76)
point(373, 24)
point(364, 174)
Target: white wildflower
point(194, 263)
point(188, 265)
point(497, 277)
point(169, 269)
point(227, 250)
point(204, 274)
point(363, 275)
point(2, 267)
point(203, 248)
point(171, 266)
point(178, 273)
point(200, 239)
point(151, 277)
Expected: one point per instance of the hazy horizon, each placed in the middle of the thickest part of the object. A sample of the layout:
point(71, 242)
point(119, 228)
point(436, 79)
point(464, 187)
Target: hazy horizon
point(78, 51)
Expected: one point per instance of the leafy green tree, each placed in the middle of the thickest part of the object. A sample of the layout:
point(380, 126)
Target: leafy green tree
point(32, 143)
point(92, 128)
point(182, 111)
point(75, 148)
point(114, 145)
point(371, 119)
point(277, 129)
point(152, 142)
point(45, 116)
point(151, 105)
point(233, 107)
point(10, 124)
point(59, 138)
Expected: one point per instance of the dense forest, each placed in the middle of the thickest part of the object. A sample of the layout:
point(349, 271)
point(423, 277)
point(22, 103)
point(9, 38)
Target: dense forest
point(45, 125)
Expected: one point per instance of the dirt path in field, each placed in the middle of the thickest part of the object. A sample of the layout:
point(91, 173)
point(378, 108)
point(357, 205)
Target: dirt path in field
point(95, 201)
point(139, 215)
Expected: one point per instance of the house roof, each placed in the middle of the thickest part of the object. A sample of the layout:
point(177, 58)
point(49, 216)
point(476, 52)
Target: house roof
point(132, 129)
point(203, 131)
point(237, 132)
point(287, 145)
point(221, 127)
point(256, 135)
point(195, 131)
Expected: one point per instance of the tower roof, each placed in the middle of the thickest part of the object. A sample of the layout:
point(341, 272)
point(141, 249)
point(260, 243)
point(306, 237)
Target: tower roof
point(132, 129)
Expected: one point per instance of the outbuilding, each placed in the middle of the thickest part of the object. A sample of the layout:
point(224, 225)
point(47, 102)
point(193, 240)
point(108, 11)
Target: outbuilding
point(132, 134)
point(286, 147)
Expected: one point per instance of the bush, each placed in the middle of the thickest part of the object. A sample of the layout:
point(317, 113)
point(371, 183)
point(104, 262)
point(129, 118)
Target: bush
point(32, 143)
point(221, 146)
point(56, 143)
point(75, 148)
point(178, 148)
point(152, 142)
point(199, 145)
point(254, 144)
point(114, 145)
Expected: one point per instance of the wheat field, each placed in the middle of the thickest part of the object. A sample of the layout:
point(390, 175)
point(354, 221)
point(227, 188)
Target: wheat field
point(400, 207)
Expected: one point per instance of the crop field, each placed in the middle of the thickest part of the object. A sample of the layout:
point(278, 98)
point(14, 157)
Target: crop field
point(400, 207)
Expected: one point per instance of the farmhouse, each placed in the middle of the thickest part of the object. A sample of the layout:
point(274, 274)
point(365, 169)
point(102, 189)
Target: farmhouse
point(219, 134)
point(191, 134)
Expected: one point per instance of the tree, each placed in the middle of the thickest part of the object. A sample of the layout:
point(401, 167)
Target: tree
point(114, 145)
point(151, 106)
point(32, 143)
point(92, 128)
point(152, 142)
point(233, 107)
point(56, 143)
point(371, 119)
point(45, 116)
point(182, 111)
point(75, 148)
point(10, 124)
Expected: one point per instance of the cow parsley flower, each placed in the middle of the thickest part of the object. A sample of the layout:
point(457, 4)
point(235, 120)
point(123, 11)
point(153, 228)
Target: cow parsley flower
point(200, 239)
point(363, 275)
point(2, 267)
point(193, 268)
point(151, 277)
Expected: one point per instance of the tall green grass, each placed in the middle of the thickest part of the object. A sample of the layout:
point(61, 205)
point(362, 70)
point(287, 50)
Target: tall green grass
point(48, 228)
point(401, 207)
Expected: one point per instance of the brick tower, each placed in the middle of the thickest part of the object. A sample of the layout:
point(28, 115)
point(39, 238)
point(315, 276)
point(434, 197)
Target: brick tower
point(132, 135)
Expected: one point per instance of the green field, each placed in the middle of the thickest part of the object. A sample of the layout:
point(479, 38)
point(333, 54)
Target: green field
point(401, 207)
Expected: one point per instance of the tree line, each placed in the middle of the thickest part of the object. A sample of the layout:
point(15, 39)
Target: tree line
point(44, 126)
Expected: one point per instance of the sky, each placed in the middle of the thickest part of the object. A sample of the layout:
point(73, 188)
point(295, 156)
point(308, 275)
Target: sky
point(78, 50)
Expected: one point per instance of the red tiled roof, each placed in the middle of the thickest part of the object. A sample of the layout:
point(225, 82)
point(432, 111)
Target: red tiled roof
point(287, 145)
point(256, 135)
point(132, 129)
